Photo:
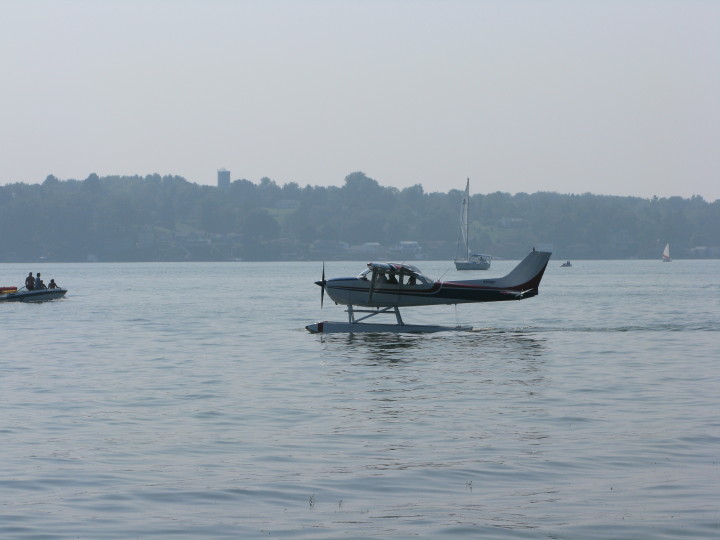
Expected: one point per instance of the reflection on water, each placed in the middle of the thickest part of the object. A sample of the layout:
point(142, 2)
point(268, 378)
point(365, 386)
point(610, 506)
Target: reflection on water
point(374, 342)
point(393, 347)
point(482, 383)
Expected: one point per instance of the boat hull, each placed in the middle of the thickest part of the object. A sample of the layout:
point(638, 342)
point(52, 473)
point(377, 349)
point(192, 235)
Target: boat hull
point(42, 295)
point(472, 265)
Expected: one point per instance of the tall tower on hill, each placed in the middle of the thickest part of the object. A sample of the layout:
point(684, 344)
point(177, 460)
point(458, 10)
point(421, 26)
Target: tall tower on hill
point(223, 179)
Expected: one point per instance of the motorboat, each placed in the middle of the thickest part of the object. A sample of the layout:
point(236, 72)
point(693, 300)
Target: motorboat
point(12, 294)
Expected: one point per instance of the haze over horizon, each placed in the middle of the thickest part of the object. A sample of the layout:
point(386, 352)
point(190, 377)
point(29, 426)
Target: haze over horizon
point(612, 98)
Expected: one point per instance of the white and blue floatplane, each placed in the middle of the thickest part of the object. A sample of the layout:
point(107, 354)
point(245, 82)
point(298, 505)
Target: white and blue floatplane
point(12, 294)
point(383, 288)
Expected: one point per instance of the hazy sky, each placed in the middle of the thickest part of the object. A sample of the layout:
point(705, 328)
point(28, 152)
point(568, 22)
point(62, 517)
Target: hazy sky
point(608, 97)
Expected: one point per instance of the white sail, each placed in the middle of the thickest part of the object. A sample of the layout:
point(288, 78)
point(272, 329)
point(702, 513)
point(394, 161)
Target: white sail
point(666, 253)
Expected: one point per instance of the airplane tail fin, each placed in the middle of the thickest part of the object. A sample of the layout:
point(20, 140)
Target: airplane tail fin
point(527, 274)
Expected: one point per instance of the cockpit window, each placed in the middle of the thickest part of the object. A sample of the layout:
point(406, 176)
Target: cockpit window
point(419, 279)
point(408, 276)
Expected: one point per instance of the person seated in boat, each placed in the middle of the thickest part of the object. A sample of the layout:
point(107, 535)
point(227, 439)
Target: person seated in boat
point(39, 282)
point(29, 282)
point(411, 280)
point(52, 284)
point(392, 279)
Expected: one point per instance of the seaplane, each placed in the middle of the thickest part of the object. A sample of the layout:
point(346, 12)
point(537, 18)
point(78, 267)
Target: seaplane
point(383, 288)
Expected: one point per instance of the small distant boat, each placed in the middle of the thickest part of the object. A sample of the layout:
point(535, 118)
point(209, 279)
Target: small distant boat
point(12, 294)
point(666, 254)
point(566, 264)
point(472, 261)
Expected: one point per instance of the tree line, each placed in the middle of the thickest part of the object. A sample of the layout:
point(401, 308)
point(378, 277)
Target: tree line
point(167, 218)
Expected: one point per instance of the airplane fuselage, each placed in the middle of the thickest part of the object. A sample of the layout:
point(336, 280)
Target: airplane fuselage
point(522, 282)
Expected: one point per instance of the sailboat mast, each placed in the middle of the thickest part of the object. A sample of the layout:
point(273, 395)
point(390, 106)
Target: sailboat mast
point(465, 215)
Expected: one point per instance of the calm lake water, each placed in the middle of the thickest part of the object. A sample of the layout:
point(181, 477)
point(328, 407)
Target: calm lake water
point(188, 401)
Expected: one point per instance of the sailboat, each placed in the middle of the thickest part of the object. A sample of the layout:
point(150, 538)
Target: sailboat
point(472, 261)
point(666, 254)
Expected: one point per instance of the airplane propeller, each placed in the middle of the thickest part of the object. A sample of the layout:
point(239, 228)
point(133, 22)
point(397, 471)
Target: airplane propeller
point(322, 283)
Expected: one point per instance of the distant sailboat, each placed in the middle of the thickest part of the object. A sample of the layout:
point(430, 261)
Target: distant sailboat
point(666, 254)
point(472, 261)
